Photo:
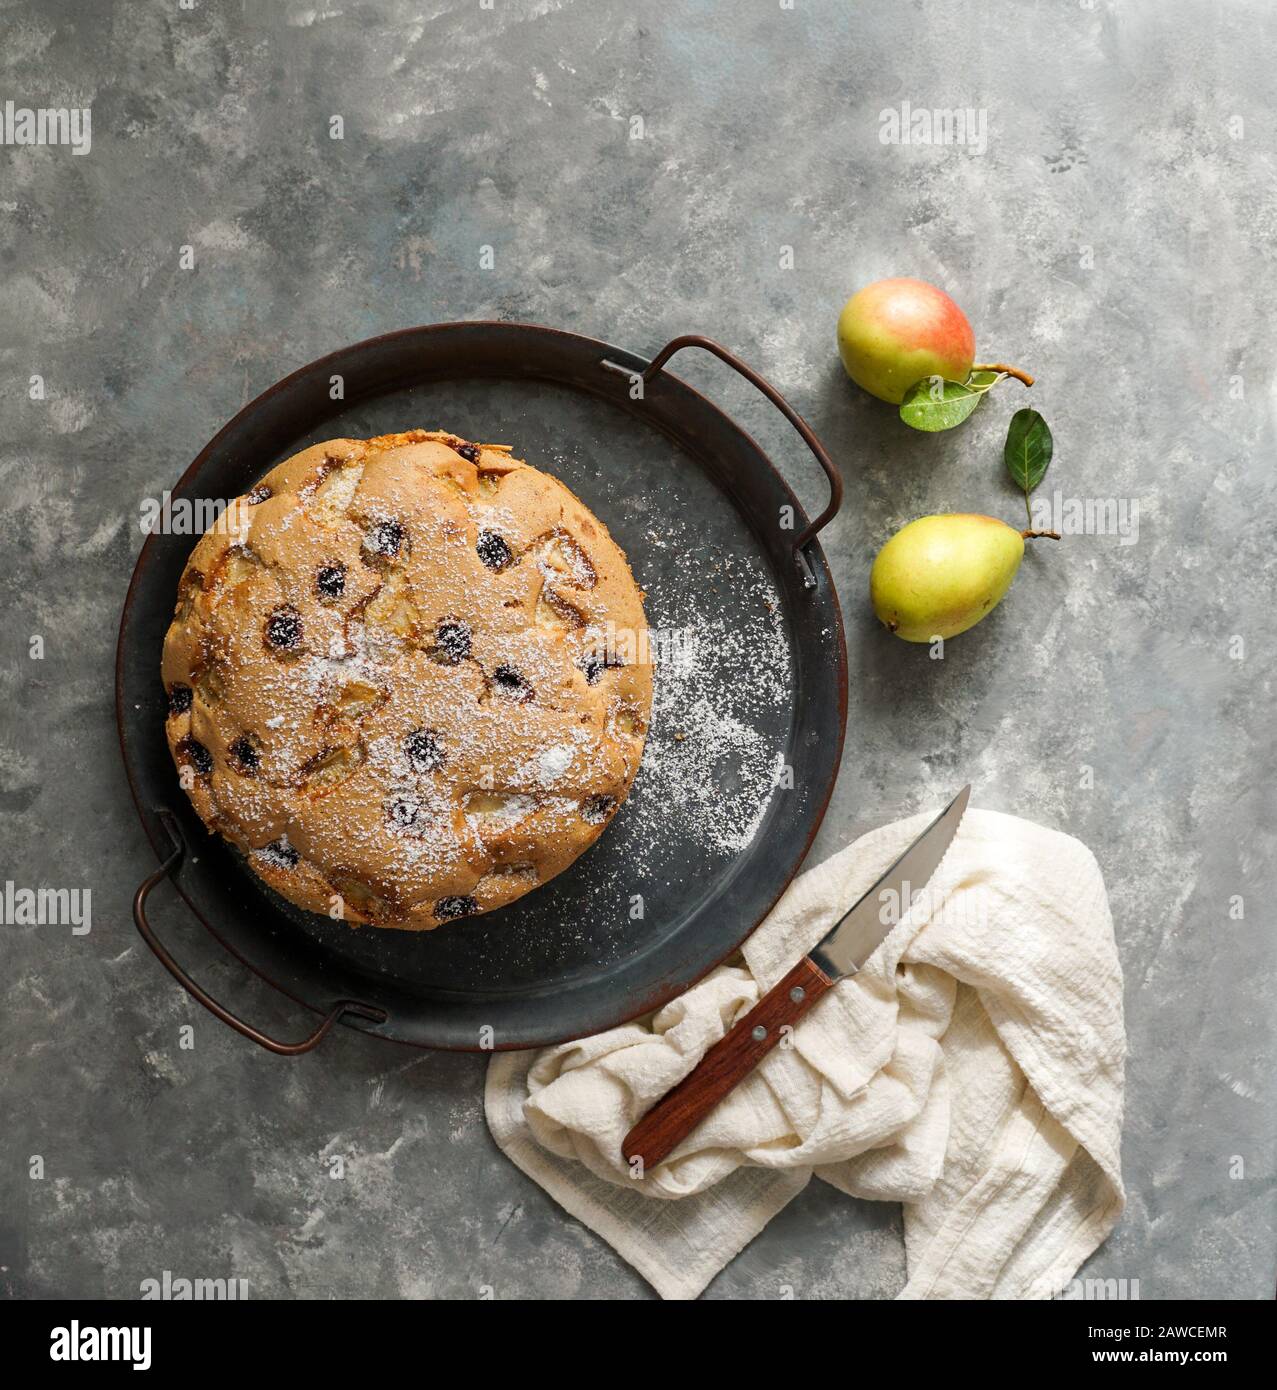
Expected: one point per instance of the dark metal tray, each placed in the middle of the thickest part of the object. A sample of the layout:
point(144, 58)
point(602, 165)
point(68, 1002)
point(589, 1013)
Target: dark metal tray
point(747, 728)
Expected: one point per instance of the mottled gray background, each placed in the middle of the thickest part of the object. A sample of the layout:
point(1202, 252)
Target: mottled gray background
point(1115, 238)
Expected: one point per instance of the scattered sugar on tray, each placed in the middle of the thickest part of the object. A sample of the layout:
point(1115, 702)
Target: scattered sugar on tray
point(710, 766)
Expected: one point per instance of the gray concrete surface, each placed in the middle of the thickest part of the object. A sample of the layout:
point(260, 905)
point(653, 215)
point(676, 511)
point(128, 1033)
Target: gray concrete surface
point(1115, 237)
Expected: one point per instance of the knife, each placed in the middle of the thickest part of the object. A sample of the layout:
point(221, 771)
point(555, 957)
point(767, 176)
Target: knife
point(838, 955)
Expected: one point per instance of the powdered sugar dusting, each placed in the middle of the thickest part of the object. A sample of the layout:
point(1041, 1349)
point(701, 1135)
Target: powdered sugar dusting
point(552, 763)
point(710, 767)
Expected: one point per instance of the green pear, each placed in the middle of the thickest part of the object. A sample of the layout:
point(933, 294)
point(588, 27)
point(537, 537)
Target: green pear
point(940, 575)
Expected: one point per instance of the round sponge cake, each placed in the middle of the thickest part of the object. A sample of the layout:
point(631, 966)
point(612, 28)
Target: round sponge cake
point(405, 677)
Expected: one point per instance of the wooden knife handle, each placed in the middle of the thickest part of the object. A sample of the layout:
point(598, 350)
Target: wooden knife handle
point(725, 1065)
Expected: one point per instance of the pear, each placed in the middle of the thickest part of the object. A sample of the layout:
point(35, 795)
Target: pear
point(895, 332)
point(940, 575)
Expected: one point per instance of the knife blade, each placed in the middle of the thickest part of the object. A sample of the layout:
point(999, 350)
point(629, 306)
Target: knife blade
point(859, 932)
point(841, 952)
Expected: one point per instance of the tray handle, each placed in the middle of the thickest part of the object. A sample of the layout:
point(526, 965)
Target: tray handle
point(197, 992)
point(817, 448)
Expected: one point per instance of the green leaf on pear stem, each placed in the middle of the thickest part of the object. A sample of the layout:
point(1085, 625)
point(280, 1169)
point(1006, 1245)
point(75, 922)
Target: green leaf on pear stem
point(933, 405)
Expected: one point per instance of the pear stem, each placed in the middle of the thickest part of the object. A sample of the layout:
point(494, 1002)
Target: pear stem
point(1005, 370)
point(1033, 535)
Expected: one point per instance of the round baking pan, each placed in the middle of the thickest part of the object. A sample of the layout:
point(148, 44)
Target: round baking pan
point(748, 720)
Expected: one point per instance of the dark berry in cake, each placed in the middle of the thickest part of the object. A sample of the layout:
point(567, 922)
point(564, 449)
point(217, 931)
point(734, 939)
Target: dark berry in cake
point(403, 813)
point(280, 853)
point(245, 753)
point(192, 751)
point(595, 663)
point(179, 698)
point(425, 753)
point(511, 684)
point(261, 493)
point(596, 809)
point(447, 909)
point(384, 541)
point(452, 641)
point(467, 451)
point(331, 580)
point(493, 550)
point(284, 628)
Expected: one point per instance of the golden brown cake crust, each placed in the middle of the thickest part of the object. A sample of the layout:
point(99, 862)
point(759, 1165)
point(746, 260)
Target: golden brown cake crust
point(390, 681)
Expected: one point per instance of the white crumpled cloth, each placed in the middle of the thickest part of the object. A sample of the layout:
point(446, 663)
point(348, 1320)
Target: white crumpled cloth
point(973, 1070)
